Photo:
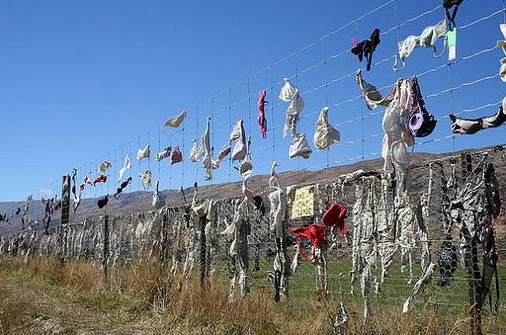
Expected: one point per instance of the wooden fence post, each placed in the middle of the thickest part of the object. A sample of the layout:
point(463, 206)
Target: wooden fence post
point(65, 217)
point(164, 240)
point(203, 250)
point(105, 259)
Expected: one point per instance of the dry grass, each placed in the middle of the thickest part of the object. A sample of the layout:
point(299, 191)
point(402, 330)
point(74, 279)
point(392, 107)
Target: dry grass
point(142, 300)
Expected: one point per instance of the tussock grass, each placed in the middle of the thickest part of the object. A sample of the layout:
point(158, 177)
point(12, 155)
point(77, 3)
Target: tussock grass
point(143, 299)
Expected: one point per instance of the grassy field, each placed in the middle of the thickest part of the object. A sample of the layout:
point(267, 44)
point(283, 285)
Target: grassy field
point(45, 297)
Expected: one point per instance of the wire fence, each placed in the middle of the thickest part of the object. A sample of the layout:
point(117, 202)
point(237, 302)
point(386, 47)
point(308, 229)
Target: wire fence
point(381, 261)
point(371, 264)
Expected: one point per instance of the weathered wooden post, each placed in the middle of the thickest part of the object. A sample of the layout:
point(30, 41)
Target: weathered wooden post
point(65, 216)
point(203, 250)
point(105, 258)
point(164, 240)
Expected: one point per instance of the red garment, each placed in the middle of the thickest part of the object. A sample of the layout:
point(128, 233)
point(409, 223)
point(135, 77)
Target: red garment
point(334, 216)
point(101, 179)
point(177, 156)
point(86, 181)
point(314, 233)
point(262, 120)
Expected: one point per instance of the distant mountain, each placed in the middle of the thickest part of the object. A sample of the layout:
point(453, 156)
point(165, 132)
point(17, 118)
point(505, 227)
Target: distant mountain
point(140, 201)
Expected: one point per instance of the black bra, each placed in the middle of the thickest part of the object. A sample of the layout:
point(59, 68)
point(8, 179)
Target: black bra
point(102, 202)
point(448, 4)
point(366, 48)
point(122, 187)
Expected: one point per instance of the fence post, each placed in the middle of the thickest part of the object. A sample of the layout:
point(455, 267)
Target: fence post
point(105, 259)
point(203, 250)
point(164, 239)
point(65, 216)
point(471, 262)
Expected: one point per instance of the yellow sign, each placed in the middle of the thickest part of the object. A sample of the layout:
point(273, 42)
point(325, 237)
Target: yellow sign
point(303, 203)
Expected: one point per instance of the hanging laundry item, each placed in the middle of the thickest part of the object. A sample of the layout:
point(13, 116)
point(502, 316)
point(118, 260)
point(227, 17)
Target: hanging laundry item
point(238, 135)
point(366, 48)
point(156, 201)
point(278, 278)
point(421, 123)
point(395, 123)
point(221, 155)
point(146, 177)
point(165, 153)
point(126, 166)
point(197, 152)
point(492, 193)
point(143, 153)
point(104, 166)
point(447, 262)
point(76, 202)
point(315, 233)
point(208, 161)
point(427, 39)
point(103, 202)
point(502, 44)
point(292, 115)
point(100, 179)
point(472, 126)
point(246, 167)
point(73, 178)
point(122, 187)
point(448, 4)
point(370, 92)
point(299, 147)
point(334, 217)
point(287, 92)
point(175, 121)
point(76, 197)
point(177, 156)
point(325, 134)
point(502, 70)
point(261, 118)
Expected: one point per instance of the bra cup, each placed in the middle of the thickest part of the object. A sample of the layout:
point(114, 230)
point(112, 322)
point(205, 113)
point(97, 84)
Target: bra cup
point(299, 147)
point(428, 37)
point(407, 46)
point(494, 121)
point(325, 134)
point(287, 92)
point(415, 122)
point(502, 70)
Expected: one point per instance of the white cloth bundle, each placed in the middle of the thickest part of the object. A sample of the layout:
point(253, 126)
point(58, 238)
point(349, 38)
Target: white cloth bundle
point(126, 165)
point(175, 121)
point(287, 91)
point(156, 201)
point(299, 147)
point(143, 153)
point(325, 134)
point(237, 134)
point(292, 115)
point(146, 177)
point(208, 161)
point(197, 152)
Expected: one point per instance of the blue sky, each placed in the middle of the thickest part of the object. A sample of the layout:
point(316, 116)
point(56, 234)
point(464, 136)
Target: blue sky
point(85, 81)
